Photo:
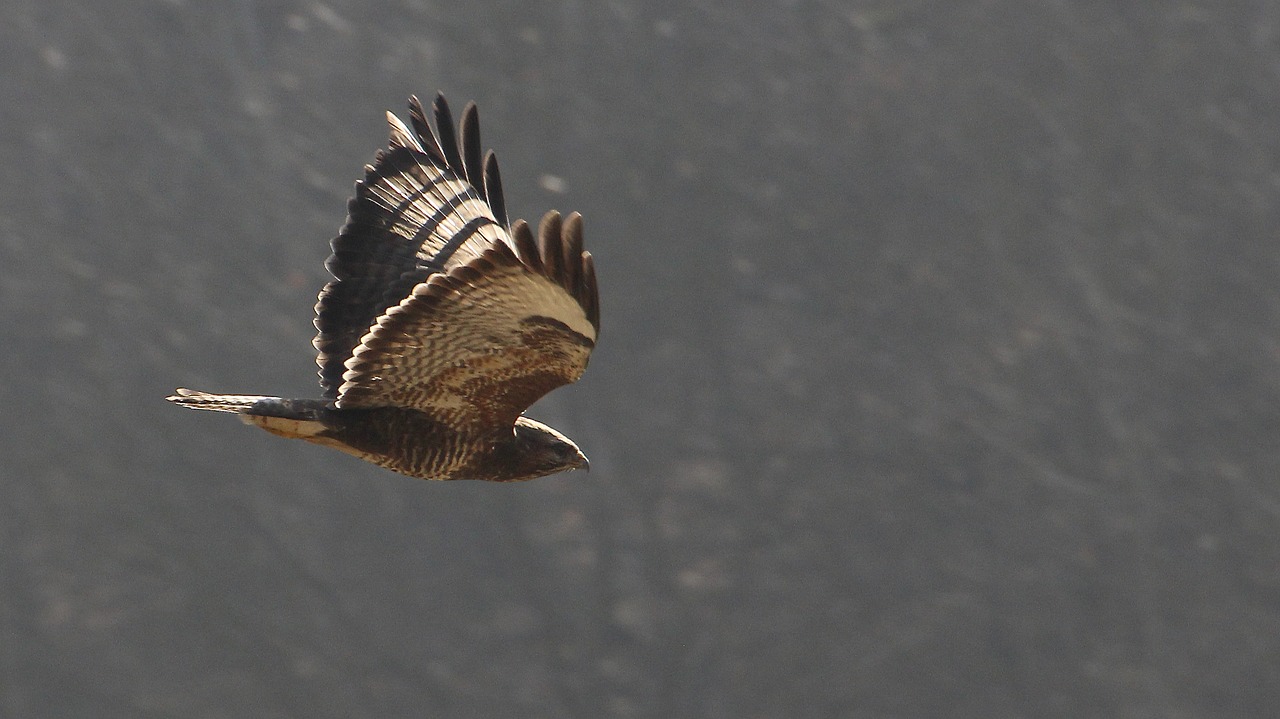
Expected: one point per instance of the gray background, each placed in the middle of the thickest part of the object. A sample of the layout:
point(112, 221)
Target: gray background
point(939, 371)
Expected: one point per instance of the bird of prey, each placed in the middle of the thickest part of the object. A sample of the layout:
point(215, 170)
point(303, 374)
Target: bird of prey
point(443, 322)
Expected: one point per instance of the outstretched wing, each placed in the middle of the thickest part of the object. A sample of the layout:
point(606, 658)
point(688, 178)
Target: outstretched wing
point(427, 204)
point(477, 345)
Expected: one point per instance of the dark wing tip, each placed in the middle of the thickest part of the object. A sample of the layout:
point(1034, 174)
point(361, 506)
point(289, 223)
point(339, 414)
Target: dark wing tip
point(549, 246)
point(493, 189)
point(526, 246)
point(426, 138)
point(571, 253)
point(445, 133)
point(580, 270)
point(469, 141)
point(558, 255)
point(418, 118)
point(590, 290)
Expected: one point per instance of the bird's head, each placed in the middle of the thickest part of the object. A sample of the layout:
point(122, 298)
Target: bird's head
point(538, 450)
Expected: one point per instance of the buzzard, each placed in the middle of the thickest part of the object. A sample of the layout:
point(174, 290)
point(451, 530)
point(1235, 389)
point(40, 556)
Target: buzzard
point(443, 322)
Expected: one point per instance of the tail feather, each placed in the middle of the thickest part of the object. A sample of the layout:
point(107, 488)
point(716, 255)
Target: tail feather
point(293, 418)
point(193, 399)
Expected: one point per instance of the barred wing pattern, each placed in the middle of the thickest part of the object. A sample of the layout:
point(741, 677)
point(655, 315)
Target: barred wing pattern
point(428, 204)
point(477, 345)
point(443, 322)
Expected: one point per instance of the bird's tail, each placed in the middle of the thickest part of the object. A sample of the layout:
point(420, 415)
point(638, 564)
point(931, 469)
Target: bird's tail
point(192, 399)
point(295, 418)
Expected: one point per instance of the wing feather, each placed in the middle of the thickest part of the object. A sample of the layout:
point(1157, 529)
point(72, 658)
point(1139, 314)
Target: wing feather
point(589, 290)
point(469, 141)
point(477, 345)
point(526, 246)
point(415, 213)
point(446, 134)
point(549, 246)
point(493, 189)
point(571, 251)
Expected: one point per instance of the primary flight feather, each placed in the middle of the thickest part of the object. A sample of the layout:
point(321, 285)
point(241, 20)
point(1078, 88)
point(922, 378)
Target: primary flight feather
point(443, 322)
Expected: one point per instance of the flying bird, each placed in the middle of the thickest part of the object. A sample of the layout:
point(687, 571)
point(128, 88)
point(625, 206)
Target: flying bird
point(443, 322)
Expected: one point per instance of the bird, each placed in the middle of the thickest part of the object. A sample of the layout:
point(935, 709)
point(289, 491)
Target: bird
point(443, 322)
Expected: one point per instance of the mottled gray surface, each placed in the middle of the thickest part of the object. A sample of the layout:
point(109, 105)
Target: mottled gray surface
point(939, 371)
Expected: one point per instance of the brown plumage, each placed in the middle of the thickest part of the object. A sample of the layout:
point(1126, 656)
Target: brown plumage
point(443, 322)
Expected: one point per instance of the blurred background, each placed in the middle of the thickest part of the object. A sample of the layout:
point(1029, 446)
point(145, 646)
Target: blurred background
point(938, 374)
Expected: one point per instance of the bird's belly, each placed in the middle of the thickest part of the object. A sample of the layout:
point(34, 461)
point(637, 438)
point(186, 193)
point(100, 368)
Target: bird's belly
point(402, 440)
